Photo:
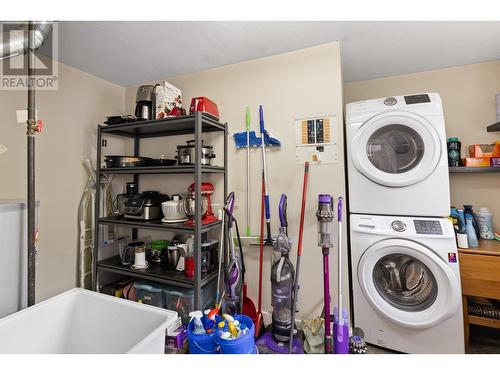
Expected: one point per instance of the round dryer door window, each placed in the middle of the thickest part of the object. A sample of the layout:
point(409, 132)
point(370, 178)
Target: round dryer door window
point(396, 149)
point(408, 283)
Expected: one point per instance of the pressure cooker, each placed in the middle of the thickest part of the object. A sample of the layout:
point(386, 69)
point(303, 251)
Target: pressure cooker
point(185, 153)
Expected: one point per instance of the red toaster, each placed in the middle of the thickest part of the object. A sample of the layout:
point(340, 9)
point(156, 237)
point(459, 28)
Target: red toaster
point(203, 104)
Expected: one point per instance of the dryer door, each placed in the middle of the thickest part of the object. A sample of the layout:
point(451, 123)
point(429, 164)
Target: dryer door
point(408, 283)
point(396, 148)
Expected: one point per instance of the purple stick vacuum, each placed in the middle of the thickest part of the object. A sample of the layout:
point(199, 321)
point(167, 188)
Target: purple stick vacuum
point(325, 216)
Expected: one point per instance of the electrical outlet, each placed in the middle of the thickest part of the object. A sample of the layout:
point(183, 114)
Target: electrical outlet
point(104, 142)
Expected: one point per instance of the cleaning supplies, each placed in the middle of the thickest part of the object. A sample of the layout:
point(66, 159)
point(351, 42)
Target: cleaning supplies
point(454, 146)
point(471, 233)
point(485, 225)
point(468, 210)
point(198, 325)
point(325, 216)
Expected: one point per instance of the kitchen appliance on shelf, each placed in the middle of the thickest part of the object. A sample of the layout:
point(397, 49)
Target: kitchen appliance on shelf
point(209, 255)
point(207, 215)
point(145, 102)
point(205, 105)
point(145, 206)
point(186, 153)
point(121, 199)
point(397, 156)
point(406, 283)
point(173, 210)
point(157, 250)
point(123, 161)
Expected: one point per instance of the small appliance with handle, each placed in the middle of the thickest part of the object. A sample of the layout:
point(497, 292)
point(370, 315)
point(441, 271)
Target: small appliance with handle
point(205, 105)
point(145, 206)
point(145, 102)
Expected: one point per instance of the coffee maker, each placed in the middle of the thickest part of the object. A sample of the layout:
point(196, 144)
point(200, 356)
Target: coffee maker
point(144, 106)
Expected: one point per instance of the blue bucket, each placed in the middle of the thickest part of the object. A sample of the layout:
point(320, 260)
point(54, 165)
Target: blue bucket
point(202, 344)
point(241, 345)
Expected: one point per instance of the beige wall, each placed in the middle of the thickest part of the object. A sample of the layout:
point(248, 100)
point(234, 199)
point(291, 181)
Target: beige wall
point(289, 86)
point(468, 95)
point(69, 115)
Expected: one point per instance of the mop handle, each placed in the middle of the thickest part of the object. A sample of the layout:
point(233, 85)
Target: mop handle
point(261, 252)
point(303, 208)
point(299, 252)
point(247, 120)
point(339, 218)
point(264, 167)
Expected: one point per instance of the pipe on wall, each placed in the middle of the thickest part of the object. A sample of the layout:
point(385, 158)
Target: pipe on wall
point(20, 42)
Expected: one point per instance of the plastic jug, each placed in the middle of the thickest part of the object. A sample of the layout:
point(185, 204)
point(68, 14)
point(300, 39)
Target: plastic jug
point(485, 225)
point(471, 233)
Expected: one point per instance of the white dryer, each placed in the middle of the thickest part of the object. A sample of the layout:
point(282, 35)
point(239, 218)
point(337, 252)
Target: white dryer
point(406, 283)
point(397, 158)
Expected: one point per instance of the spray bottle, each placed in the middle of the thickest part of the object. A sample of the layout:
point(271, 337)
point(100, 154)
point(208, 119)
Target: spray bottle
point(198, 325)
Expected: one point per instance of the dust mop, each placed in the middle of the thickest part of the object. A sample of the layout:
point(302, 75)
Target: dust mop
point(341, 324)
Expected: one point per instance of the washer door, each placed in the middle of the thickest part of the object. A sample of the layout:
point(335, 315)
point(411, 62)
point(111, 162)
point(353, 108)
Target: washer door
point(396, 149)
point(408, 283)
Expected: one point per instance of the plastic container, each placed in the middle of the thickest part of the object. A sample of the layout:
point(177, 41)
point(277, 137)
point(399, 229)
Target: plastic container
point(471, 233)
point(202, 344)
point(241, 345)
point(150, 293)
point(80, 321)
point(483, 217)
point(182, 299)
point(454, 147)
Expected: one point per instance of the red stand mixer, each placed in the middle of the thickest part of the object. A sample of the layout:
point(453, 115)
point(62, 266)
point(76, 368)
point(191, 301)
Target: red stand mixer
point(207, 215)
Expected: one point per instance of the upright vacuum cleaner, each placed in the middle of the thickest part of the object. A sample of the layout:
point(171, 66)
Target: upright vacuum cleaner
point(282, 284)
point(234, 264)
point(325, 216)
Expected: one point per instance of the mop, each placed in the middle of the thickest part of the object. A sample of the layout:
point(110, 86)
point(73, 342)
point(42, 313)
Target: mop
point(299, 252)
point(325, 240)
point(341, 325)
point(269, 240)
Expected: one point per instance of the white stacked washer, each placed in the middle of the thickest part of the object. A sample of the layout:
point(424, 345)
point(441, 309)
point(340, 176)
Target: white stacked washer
point(405, 276)
point(406, 283)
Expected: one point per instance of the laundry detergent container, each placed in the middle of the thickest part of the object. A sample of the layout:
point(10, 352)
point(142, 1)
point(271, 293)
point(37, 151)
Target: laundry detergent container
point(182, 299)
point(81, 321)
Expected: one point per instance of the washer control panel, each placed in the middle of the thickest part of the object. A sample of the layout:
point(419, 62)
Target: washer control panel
point(398, 225)
point(428, 227)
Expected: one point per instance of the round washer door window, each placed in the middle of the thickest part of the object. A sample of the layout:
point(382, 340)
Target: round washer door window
point(405, 282)
point(408, 283)
point(396, 149)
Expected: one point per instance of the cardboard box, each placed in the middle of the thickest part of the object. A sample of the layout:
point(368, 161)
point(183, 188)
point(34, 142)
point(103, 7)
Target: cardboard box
point(484, 151)
point(167, 96)
point(476, 162)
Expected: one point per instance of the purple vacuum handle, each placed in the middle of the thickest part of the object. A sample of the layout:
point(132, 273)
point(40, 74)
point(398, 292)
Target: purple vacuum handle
point(339, 209)
point(282, 211)
point(229, 206)
point(261, 119)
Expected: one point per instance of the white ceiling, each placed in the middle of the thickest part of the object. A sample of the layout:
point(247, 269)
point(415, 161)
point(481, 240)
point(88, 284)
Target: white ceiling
point(129, 53)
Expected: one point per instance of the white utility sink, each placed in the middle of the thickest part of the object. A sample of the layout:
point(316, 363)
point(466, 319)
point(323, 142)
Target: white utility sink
point(81, 321)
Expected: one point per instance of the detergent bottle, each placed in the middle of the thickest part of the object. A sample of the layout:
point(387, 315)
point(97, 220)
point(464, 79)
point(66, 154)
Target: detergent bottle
point(471, 233)
point(485, 225)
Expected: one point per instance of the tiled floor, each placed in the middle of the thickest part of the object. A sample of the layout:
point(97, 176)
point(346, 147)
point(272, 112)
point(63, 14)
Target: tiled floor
point(483, 340)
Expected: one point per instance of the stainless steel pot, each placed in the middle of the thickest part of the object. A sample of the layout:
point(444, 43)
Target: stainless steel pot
point(185, 153)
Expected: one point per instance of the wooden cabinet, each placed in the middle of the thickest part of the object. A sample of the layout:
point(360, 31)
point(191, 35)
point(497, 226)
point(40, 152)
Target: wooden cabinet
point(480, 277)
